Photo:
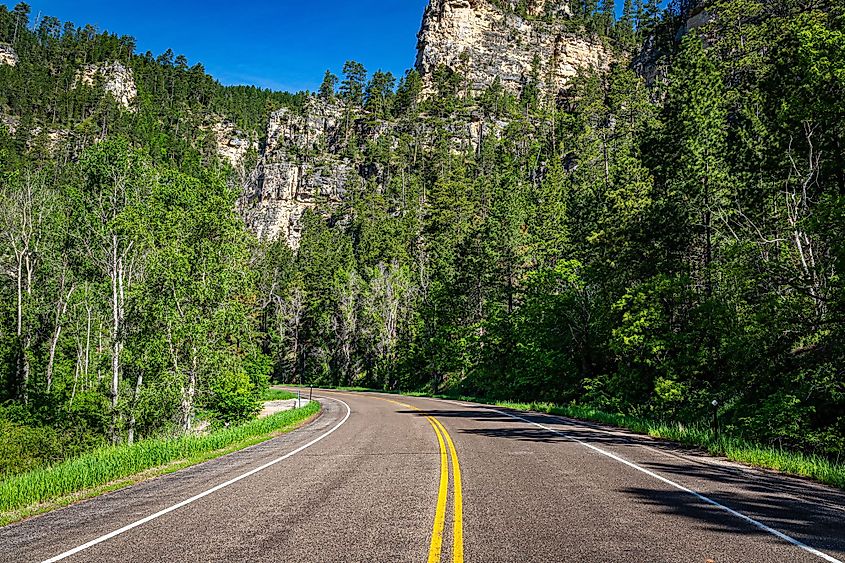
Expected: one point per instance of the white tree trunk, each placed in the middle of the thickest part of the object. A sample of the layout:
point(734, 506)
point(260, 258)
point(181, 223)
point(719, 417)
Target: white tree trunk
point(116, 342)
point(61, 309)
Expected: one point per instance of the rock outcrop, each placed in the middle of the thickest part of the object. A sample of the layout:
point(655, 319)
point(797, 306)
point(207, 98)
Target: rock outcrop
point(232, 144)
point(483, 40)
point(312, 158)
point(306, 163)
point(300, 169)
point(115, 78)
point(8, 56)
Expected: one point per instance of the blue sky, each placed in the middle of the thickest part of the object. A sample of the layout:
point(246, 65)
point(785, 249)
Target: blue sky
point(282, 44)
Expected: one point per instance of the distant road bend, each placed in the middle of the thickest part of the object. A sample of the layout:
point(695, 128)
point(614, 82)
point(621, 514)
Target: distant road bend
point(384, 478)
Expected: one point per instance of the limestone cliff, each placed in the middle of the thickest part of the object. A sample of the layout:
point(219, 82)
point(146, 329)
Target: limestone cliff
point(8, 56)
point(300, 168)
point(115, 78)
point(312, 158)
point(233, 144)
point(482, 40)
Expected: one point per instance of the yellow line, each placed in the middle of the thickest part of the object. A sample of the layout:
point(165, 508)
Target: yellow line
point(458, 523)
point(436, 547)
point(440, 515)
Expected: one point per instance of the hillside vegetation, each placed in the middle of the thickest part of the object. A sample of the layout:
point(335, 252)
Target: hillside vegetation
point(654, 238)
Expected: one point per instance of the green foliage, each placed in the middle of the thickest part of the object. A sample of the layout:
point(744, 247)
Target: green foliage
point(353, 85)
point(108, 464)
point(637, 248)
point(641, 249)
point(328, 86)
point(379, 94)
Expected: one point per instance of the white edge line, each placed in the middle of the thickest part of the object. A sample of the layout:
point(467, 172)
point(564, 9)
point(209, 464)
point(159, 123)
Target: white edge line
point(194, 498)
point(680, 487)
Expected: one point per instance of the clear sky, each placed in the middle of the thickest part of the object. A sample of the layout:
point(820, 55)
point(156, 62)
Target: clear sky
point(278, 44)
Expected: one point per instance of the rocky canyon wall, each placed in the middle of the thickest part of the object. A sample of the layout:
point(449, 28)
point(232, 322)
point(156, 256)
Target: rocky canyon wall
point(483, 40)
point(306, 162)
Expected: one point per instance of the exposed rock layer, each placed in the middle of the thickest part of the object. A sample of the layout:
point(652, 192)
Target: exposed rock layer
point(232, 144)
point(299, 169)
point(116, 79)
point(8, 56)
point(306, 162)
point(481, 41)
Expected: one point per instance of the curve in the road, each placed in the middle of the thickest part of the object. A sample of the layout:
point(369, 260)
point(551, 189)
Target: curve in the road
point(444, 439)
point(538, 488)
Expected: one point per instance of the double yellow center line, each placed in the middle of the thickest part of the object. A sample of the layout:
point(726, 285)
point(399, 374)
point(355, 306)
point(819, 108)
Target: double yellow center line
point(447, 452)
point(447, 449)
point(440, 515)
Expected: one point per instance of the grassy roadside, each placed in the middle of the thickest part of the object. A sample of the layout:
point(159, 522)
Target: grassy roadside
point(111, 468)
point(798, 464)
point(277, 395)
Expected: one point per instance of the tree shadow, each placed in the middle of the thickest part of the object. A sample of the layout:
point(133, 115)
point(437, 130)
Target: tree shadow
point(826, 534)
point(805, 510)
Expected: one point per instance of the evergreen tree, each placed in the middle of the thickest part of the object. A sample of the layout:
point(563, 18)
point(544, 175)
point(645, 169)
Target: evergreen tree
point(607, 16)
point(328, 86)
point(408, 93)
point(354, 80)
point(626, 25)
point(379, 94)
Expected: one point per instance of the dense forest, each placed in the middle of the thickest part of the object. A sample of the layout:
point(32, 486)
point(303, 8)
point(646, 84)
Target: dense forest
point(657, 237)
point(129, 292)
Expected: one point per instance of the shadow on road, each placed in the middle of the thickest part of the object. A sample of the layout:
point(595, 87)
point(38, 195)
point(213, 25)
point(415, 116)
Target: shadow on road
point(797, 519)
point(806, 511)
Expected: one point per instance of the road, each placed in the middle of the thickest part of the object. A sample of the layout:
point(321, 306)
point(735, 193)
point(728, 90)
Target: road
point(385, 478)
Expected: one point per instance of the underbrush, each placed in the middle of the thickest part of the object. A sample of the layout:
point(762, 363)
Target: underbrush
point(104, 465)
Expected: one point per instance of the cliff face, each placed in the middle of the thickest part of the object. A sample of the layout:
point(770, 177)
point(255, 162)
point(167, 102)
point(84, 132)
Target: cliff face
point(311, 160)
point(115, 78)
point(233, 145)
point(482, 41)
point(299, 169)
point(8, 56)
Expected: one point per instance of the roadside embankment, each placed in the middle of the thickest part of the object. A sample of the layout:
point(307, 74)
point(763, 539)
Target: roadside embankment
point(114, 467)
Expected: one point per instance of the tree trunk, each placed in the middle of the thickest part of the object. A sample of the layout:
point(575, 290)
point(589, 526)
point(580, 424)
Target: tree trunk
point(116, 315)
point(61, 309)
point(87, 362)
point(188, 394)
point(23, 362)
point(130, 438)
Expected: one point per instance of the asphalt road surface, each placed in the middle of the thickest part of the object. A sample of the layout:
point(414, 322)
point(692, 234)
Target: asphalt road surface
point(385, 478)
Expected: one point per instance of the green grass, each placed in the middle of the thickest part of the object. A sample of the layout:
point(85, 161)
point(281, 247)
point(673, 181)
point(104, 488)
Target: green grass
point(817, 468)
point(277, 395)
point(700, 436)
point(110, 468)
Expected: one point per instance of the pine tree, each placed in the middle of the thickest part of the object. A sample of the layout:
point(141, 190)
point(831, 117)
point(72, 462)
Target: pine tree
point(328, 86)
point(408, 93)
point(607, 16)
point(379, 94)
point(354, 81)
point(625, 27)
point(638, 14)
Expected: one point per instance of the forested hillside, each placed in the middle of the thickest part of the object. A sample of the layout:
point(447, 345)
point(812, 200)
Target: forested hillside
point(655, 236)
point(129, 295)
